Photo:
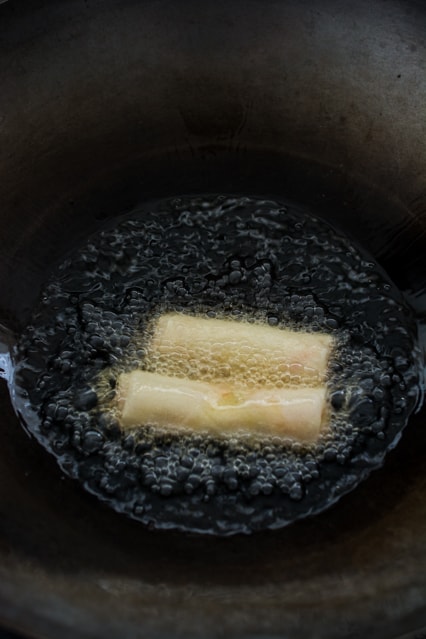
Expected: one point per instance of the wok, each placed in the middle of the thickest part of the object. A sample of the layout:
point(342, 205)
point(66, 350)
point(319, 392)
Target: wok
point(104, 104)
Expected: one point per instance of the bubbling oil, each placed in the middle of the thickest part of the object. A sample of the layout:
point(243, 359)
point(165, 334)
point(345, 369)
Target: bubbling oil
point(236, 258)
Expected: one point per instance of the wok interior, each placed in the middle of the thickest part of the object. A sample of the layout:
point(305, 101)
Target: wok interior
point(105, 105)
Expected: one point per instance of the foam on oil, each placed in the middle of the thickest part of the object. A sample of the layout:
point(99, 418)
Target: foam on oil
point(250, 260)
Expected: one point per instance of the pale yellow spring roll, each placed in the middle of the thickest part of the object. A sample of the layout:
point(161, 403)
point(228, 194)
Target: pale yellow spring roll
point(149, 398)
point(255, 354)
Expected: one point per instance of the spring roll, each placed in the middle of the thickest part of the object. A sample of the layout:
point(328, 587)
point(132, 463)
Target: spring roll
point(256, 354)
point(149, 398)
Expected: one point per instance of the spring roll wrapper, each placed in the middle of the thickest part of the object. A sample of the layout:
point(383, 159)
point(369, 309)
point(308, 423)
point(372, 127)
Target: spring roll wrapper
point(211, 349)
point(149, 398)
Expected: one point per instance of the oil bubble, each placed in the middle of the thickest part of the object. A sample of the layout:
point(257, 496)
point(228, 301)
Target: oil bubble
point(252, 260)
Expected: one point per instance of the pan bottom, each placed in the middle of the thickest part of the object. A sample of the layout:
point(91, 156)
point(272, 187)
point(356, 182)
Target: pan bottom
point(238, 257)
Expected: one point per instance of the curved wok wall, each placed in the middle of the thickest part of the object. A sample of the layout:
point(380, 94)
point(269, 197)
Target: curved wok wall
point(105, 103)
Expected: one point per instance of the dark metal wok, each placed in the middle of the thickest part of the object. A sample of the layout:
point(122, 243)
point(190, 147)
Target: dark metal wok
point(107, 103)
